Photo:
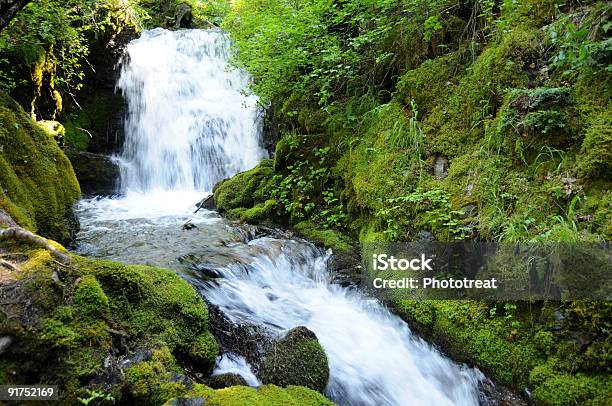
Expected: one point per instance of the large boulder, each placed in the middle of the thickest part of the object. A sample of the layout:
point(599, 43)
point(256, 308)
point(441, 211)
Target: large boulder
point(296, 359)
point(37, 183)
point(97, 174)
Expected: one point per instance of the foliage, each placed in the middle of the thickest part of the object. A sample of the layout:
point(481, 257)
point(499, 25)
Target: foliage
point(513, 96)
point(582, 46)
point(295, 191)
point(57, 31)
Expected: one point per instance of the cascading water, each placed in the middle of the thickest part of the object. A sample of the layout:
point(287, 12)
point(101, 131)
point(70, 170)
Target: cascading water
point(189, 126)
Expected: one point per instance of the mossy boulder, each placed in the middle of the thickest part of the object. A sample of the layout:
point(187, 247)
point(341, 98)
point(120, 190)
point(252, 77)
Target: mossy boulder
point(156, 380)
point(245, 188)
point(296, 359)
point(203, 351)
point(75, 325)
point(37, 183)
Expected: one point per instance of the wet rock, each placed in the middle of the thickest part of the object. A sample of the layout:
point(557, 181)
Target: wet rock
point(425, 236)
point(97, 174)
point(441, 167)
point(248, 341)
point(226, 380)
point(208, 271)
point(189, 226)
point(492, 394)
point(346, 267)
point(296, 359)
point(208, 203)
point(183, 17)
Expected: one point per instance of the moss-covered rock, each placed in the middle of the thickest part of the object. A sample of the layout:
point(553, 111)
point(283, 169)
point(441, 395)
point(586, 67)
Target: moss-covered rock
point(226, 380)
point(326, 237)
point(37, 184)
point(245, 188)
point(73, 324)
point(266, 395)
point(297, 359)
point(156, 380)
point(203, 351)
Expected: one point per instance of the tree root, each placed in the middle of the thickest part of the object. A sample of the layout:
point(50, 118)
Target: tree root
point(8, 266)
point(21, 234)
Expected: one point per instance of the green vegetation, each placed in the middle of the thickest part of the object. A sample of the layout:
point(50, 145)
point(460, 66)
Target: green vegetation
point(37, 184)
point(83, 316)
point(465, 120)
point(458, 119)
point(266, 395)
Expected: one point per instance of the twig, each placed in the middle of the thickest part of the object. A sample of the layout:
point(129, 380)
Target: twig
point(8, 265)
point(202, 203)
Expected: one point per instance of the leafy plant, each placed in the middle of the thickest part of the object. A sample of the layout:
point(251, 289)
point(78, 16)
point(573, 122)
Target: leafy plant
point(94, 395)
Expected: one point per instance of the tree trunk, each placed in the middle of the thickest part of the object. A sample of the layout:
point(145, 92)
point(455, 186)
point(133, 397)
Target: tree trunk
point(8, 9)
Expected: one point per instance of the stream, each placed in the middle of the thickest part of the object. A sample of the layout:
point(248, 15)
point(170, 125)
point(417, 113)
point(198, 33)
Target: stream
point(189, 125)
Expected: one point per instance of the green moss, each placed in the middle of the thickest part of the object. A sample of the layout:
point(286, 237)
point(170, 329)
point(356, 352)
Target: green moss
point(266, 395)
point(544, 341)
point(297, 359)
point(532, 119)
point(37, 184)
point(259, 214)
point(326, 237)
point(596, 152)
point(89, 298)
point(203, 350)
point(562, 389)
point(151, 381)
point(242, 189)
point(100, 309)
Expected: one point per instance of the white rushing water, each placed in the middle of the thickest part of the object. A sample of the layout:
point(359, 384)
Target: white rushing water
point(188, 127)
point(374, 358)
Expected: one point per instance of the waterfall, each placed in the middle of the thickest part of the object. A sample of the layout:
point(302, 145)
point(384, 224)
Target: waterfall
point(189, 124)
